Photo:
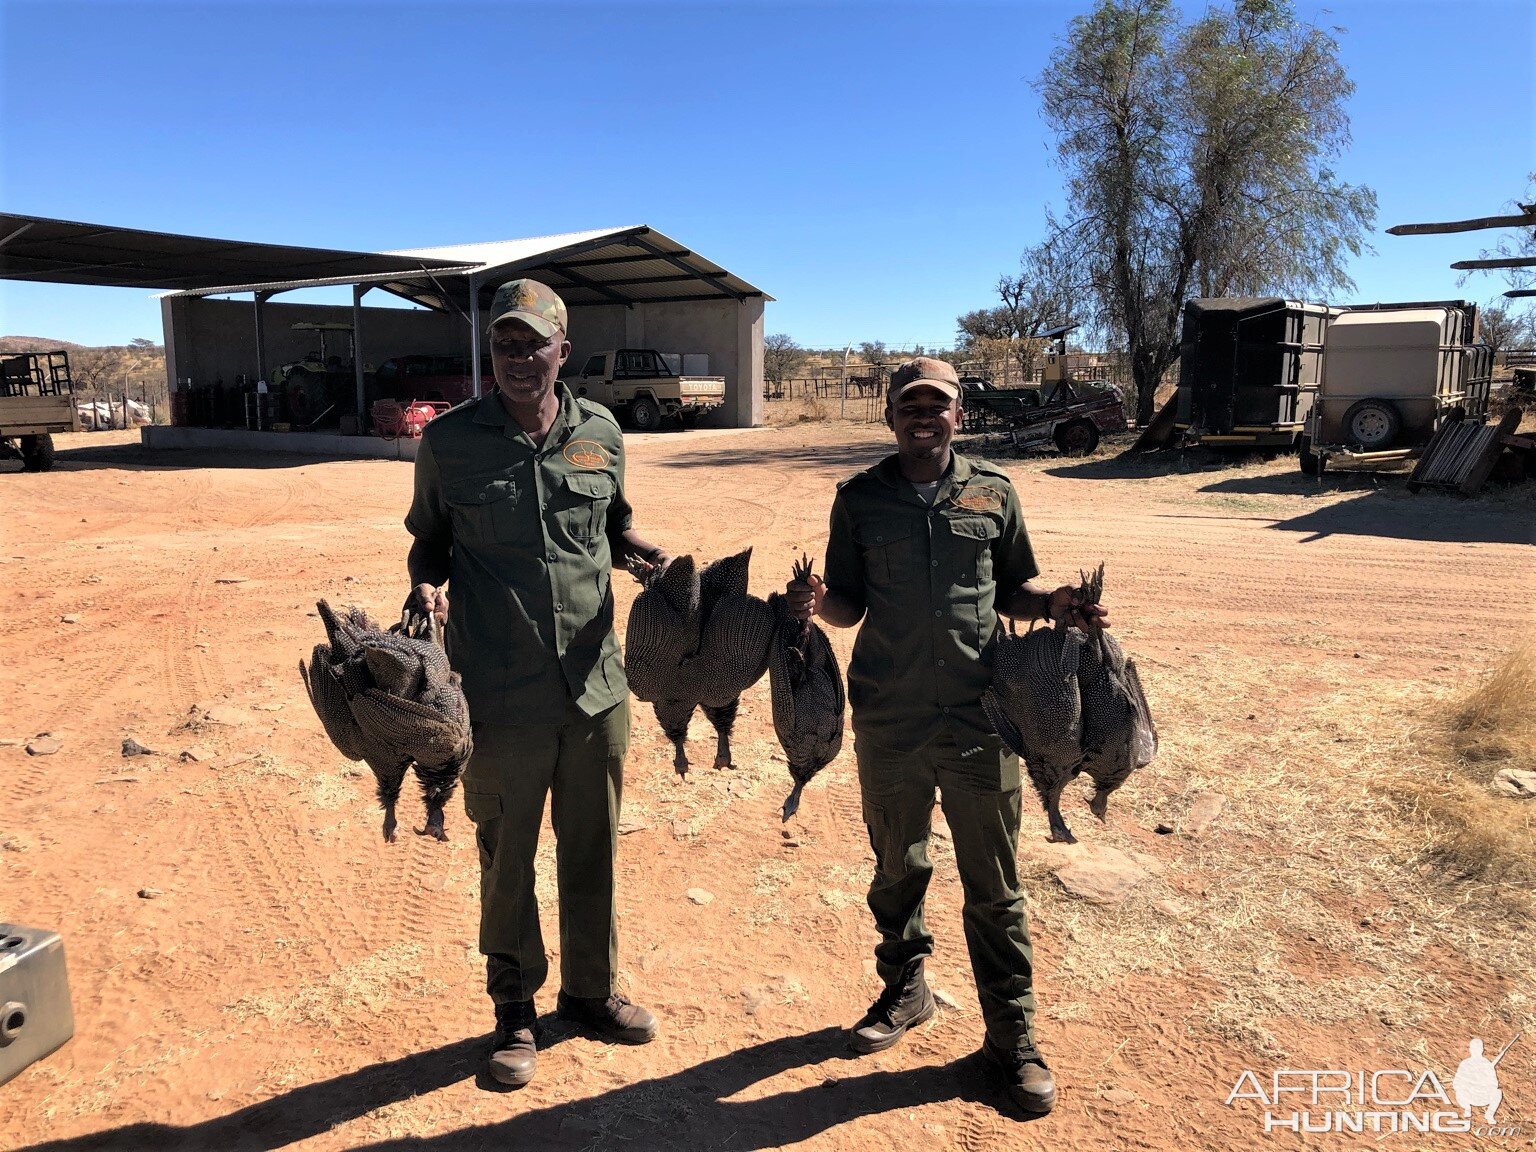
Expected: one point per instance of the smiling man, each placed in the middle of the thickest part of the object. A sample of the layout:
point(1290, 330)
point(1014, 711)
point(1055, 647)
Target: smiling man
point(925, 550)
point(519, 508)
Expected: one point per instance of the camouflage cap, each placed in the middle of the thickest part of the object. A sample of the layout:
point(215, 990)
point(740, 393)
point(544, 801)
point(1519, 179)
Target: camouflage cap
point(535, 304)
point(927, 372)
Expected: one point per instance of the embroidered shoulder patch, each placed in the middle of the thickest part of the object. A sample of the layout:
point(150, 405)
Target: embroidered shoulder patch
point(980, 498)
point(587, 454)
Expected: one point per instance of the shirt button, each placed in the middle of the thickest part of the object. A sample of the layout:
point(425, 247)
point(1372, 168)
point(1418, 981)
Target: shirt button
point(941, 663)
point(552, 557)
point(946, 711)
point(879, 539)
point(559, 607)
point(935, 563)
point(937, 612)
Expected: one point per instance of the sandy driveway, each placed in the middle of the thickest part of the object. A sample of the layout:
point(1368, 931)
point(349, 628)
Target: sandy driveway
point(297, 980)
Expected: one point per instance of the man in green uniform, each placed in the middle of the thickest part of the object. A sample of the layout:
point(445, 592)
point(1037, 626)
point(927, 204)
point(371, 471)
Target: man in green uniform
point(519, 508)
point(926, 549)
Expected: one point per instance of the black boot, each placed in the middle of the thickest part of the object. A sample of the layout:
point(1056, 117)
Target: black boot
point(515, 1054)
point(1025, 1077)
point(905, 1003)
point(611, 1017)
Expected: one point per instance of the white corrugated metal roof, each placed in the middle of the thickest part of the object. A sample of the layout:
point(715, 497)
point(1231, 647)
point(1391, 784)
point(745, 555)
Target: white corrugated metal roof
point(630, 265)
point(495, 253)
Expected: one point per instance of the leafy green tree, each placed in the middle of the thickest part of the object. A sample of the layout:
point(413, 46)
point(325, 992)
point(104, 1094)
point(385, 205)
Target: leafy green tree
point(781, 357)
point(1197, 158)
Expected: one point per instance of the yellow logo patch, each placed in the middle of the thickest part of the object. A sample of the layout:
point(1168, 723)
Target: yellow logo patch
point(587, 454)
point(982, 499)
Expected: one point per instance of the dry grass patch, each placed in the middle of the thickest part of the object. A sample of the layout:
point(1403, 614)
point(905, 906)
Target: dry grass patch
point(1316, 896)
point(1470, 829)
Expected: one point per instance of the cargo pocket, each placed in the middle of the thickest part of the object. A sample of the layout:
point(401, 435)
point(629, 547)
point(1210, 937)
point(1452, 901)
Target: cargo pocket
point(974, 537)
point(484, 511)
point(584, 510)
point(484, 809)
point(887, 550)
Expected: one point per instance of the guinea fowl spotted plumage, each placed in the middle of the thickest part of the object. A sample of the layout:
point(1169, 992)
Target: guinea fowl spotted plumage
point(1035, 706)
point(391, 700)
point(1118, 734)
point(807, 689)
point(1069, 702)
point(697, 640)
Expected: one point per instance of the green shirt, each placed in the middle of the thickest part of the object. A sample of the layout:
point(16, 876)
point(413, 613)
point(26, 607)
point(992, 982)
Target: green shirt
point(529, 534)
point(928, 579)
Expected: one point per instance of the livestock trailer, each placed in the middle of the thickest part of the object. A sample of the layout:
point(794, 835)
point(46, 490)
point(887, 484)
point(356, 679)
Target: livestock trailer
point(1249, 369)
point(1393, 374)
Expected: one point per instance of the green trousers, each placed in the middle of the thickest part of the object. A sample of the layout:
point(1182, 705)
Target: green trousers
point(979, 789)
point(579, 762)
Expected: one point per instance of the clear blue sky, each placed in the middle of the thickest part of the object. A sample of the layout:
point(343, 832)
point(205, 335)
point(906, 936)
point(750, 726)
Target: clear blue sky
point(873, 166)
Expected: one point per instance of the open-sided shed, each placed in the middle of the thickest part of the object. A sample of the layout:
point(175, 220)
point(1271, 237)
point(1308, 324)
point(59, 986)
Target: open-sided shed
point(625, 287)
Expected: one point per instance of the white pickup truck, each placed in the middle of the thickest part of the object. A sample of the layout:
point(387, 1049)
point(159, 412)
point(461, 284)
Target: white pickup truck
point(638, 386)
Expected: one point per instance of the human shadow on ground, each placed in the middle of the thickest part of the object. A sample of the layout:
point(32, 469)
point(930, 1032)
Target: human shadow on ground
point(691, 1107)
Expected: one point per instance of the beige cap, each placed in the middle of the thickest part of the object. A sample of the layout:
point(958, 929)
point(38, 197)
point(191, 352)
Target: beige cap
point(927, 372)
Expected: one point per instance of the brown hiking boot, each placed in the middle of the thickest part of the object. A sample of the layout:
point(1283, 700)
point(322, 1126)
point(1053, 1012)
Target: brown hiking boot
point(905, 1003)
point(1028, 1081)
point(514, 1053)
point(612, 1017)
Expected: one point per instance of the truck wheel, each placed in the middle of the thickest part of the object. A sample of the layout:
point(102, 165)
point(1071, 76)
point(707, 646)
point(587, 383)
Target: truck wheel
point(1372, 424)
point(645, 414)
point(37, 453)
point(1076, 438)
point(1311, 463)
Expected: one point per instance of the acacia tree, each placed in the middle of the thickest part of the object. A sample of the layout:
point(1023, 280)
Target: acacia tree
point(1196, 158)
point(1039, 297)
point(781, 356)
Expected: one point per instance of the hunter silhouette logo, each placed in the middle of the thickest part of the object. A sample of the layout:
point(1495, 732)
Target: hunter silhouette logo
point(1476, 1082)
point(588, 454)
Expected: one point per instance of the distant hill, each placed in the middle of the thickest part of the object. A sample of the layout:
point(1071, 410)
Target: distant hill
point(34, 344)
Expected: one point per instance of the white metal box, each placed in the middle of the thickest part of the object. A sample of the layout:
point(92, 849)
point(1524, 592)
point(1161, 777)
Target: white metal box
point(35, 1014)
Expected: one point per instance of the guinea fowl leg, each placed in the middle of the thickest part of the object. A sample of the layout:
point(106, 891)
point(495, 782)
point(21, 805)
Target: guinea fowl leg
point(724, 719)
point(673, 718)
point(1060, 833)
point(389, 778)
point(1099, 804)
point(437, 785)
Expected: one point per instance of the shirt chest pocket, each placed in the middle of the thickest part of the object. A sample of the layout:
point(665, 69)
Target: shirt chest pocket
point(973, 538)
point(485, 511)
point(889, 551)
point(581, 503)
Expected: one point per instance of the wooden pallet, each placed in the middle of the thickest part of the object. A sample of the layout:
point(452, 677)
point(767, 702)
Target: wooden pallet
point(1461, 455)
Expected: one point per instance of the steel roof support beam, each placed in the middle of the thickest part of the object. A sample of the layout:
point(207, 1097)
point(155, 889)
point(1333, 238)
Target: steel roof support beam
point(712, 281)
point(591, 285)
point(358, 291)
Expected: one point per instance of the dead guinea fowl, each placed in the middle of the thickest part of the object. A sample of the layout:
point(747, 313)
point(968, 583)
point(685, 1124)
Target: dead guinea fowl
point(696, 640)
point(390, 700)
point(807, 689)
point(1118, 734)
point(1068, 702)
